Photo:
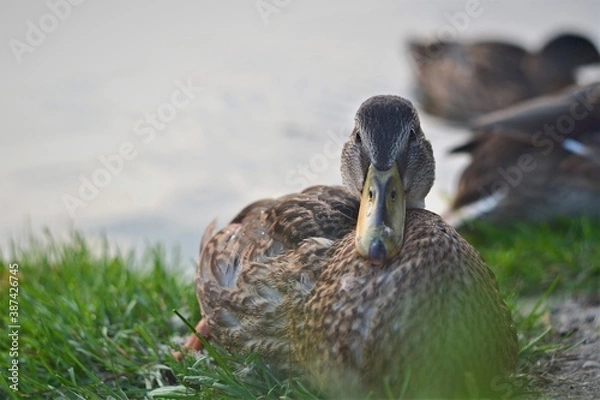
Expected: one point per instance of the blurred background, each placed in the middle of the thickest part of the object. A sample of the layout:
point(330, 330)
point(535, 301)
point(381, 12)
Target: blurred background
point(145, 121)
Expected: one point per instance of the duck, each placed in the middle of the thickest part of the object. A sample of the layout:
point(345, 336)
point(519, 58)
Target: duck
point(358, 288)
point(462, 81)
point(536, 161)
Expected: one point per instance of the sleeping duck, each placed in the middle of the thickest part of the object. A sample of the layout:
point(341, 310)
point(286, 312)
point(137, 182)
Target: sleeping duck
point(359, 286)
point(534, 161)
point(462, 81)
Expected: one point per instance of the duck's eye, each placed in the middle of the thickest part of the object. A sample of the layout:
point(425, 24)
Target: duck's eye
point(393, 195)
point(358, 139)
point(370, 194)
point(413, 133)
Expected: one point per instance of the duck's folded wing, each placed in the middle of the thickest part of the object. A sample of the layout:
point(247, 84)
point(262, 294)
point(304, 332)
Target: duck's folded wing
point(252, 269)
point(574, 113)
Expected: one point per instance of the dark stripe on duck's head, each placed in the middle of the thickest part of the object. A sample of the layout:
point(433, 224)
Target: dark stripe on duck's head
point(572, 49)
point(384, 125)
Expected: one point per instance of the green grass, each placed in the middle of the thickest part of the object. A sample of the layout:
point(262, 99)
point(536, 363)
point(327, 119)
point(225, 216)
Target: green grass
point(528, 258)
point(96, 326)
point(92, 325)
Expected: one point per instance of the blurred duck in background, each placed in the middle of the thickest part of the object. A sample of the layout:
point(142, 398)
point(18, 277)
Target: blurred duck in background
point(534, 161)
point(463, 81)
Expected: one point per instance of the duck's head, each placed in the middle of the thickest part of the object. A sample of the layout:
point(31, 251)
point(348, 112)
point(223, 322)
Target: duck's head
point(389, 163)
point(570, 50)
point(559, 59)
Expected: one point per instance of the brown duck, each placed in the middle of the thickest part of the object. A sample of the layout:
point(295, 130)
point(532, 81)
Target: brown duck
point(359, 286)
point(534, 161)
point(462, 81)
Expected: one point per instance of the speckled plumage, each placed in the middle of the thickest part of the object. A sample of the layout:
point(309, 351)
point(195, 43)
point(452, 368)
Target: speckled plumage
point(284, 279)
point(253, 274)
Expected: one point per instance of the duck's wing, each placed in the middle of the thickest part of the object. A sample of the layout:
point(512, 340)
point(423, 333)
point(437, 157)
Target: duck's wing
point(252, 272)
point(459, 81)
point(569, 121)
point(482, 53)
point(533, 153)
point(573, 113)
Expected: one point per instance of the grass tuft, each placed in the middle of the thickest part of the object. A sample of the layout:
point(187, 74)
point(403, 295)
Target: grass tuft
point(92, 325)
point(528, 258)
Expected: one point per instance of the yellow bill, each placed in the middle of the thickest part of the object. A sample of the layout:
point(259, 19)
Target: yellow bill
point(382, 214)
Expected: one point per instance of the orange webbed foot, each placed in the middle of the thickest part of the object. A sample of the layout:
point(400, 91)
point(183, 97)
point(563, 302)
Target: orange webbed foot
point(193, 343)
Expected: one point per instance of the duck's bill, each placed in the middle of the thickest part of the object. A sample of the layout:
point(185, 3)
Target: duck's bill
point(381, 217)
